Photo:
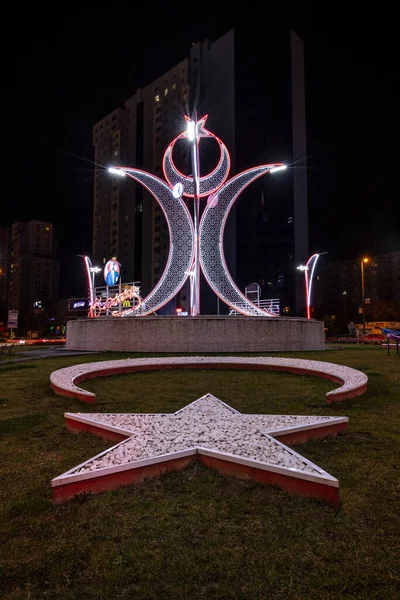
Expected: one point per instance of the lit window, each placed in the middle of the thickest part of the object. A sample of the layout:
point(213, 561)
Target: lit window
point(166, 92)
point(47, 228)
point(157, 98)
point(174, 86)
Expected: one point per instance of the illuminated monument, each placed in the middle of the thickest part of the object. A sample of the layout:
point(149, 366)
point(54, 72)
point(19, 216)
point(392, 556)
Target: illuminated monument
point(195, 244)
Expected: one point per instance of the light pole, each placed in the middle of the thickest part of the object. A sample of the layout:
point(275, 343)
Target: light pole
point(364, 261)
point(309, 267)
point(91, 271)
point(192, 133)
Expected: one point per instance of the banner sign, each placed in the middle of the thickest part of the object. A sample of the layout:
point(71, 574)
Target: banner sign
point(12, 319)
point(79, 304)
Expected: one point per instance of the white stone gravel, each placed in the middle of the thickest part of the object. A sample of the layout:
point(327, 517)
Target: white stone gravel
point(205, 423)
point(64, 379)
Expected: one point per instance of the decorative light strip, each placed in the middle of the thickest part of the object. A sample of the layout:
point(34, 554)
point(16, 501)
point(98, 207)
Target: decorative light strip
point(102, 306)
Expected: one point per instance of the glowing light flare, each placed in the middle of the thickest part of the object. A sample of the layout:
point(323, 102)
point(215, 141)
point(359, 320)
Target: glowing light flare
point(114, 171)
point(191, 130)
point(278, 168)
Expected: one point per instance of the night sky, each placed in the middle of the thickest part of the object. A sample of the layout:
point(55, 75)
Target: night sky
point(74, 69)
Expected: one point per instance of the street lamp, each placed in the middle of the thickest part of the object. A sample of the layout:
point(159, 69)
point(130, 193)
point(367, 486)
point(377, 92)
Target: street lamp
point(194, 138)
point(309, 266)
point(364, 261)
point(91, 271)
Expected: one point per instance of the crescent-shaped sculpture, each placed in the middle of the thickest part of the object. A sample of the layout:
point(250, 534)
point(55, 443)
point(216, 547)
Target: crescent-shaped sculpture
point(208, 183)
point(181, 243)
point(212, 258)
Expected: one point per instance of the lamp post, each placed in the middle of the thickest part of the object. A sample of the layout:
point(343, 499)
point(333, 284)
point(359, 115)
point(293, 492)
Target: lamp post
point(364, 261)
point(192, 133)
point(309, 266)
point(91, 271)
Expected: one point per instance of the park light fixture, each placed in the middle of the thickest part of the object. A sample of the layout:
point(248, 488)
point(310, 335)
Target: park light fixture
point(191, 130)
point(279, 168)
point(119, 172)
point(308, 279)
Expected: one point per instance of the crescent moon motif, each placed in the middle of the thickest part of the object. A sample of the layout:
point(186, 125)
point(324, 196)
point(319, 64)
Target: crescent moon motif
point(181, 243)
point(207, 184)
point(212, 258)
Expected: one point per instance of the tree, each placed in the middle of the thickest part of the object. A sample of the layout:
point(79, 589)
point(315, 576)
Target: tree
point(384, 310)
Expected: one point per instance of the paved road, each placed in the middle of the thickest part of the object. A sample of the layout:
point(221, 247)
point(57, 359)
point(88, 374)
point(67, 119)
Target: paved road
point(50, 352)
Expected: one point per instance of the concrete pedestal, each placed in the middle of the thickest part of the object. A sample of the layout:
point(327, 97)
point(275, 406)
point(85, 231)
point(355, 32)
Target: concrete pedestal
point(195, 334)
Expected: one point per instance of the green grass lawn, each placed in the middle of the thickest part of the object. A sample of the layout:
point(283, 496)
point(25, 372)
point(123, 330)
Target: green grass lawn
point(195, 534)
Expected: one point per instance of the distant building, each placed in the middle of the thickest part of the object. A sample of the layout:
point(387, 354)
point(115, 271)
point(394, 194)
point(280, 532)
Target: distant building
point(33, 268)
point(255, 98)
point(5, 238)
point(337, 287)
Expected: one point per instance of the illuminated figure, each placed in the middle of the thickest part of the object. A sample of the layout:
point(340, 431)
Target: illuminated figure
point(196, 243)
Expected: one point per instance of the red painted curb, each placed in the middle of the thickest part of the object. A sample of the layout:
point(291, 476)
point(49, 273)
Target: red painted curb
point(346, 395)
point(300, 437)
point(96, 485)
point(330, 397)
point(291, 485)
point(105, 434)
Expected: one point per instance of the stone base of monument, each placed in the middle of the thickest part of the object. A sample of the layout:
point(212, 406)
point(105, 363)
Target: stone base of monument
point(195, 334)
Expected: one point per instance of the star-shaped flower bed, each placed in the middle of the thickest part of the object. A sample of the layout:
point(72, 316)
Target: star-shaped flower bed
point(241, 445)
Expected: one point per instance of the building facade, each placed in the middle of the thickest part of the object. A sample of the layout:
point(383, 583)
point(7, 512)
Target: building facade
point(33, 269)
point(257, 108)
point(5, 238)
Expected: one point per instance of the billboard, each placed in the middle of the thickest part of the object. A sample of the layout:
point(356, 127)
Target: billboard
point(112, 272)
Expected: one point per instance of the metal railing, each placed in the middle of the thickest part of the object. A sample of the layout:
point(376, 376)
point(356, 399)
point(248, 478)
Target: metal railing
point(271, 305)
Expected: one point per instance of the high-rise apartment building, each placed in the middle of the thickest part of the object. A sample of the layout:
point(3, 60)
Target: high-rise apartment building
point(4, 252)
point(33, 267)
point(253, 93)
